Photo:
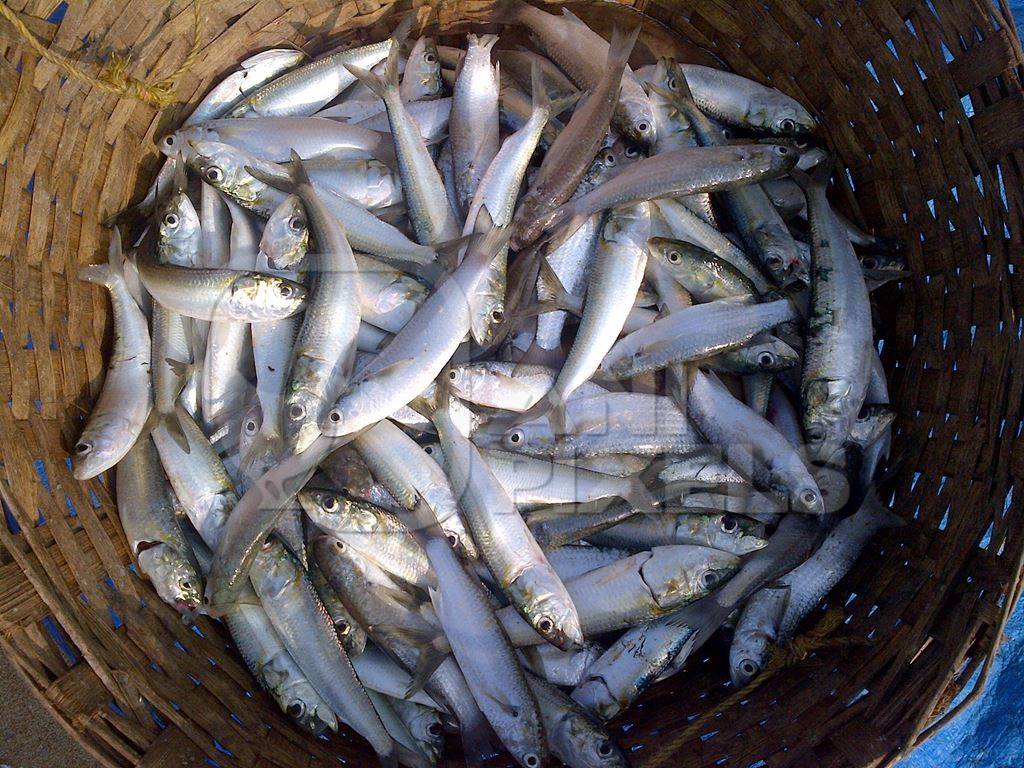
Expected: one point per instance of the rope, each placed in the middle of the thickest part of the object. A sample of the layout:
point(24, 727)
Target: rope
point(783, 656)
point(114, 77)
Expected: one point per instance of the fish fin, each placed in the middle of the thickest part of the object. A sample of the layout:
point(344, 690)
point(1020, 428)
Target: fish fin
point(621, 47)
point(404, 29)
point(115, 251)
point(539, 409)
point(504, 706)
point(430, 659)
point(557, 417)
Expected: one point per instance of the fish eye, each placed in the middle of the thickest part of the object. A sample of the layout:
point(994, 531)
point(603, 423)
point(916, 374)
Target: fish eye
point(604, 748)
point(497, 316)
point(171, 220)
point(672, 83)
point(545, 625)
point(339, 545)
point(774, 260)
point(869, 262)
point(643, 126)
point(296, 709)
point(516, 436)
point(429, 450)
point(334, 416)
point(809, 497)
point(342, 627)
point(729, 523)
point(632, 151)
point(765, 359)
point(296, 411)
point(296, 224)
point(434, 729)
point(214, 174)
point(453, 375)
point(748, 668)
point(330, 503)
point(787, 125)
point(781, 150)
point(251, 427)
point(531, 761)
point(83, 448)
point(709, 579)
point(185, 584)
point(429, 58)
point(169, 140)
point(609, 159)
point(285, 290)
point(801, 144)
point(453, 539)
point(674, 257)
point(815, 434)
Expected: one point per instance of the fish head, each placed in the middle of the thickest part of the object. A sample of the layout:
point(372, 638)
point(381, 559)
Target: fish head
point(182, 139)
point(425, 65)
point(301, 418)
point(782, 258)
point(434, 451)
point(224, 167)
point(296, 696)
point(265, 296)
point(286, 235)
point(174, 576)
point(639, 124)
point(775, 112)
point(871, 423)
point(546, 605)
point(739, 535)
point(180, 230)
point(768, 355)
point(688, 570)
point(747, 657)
point(101, 445)
point(829, 411)
point(609, 162)
point(589, 745)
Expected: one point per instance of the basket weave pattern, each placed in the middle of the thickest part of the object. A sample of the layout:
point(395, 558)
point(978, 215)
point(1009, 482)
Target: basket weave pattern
point(922, 102)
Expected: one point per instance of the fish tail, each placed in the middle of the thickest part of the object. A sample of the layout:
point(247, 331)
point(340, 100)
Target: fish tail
point(817, 178)
point(638, 496)
point(621, 47)
point(883, 517)
point(100, 274)
point(682, 84)
point(379, 85)
point(539, 91)
point(172, 424)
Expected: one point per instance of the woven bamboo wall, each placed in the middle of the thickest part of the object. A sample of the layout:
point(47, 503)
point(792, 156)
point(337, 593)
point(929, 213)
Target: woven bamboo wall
point(922, 101)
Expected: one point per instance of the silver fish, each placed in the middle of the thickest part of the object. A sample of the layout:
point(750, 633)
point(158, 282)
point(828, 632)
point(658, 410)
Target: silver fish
point(474, 123)
point(124, 403)
point(839, 347)
point(146, 508)
point(756, 632)
point(305, 90)
point(429, 209)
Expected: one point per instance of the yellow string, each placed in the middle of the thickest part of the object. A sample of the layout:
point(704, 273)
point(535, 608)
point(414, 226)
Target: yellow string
point(114, 77)
point(783, 656)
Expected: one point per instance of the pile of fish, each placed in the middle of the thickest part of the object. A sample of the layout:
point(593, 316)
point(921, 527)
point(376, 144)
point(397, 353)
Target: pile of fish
point(475, 403)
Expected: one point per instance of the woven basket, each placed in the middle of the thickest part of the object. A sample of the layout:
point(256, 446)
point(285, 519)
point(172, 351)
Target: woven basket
point(922, 101)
